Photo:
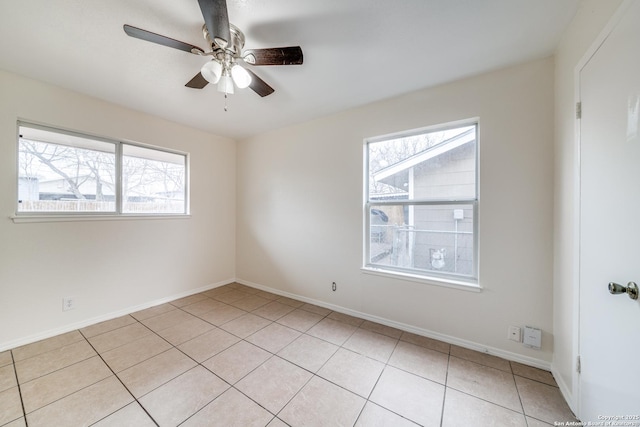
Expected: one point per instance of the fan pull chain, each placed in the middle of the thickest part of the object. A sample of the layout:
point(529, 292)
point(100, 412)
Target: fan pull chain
point(225, 101)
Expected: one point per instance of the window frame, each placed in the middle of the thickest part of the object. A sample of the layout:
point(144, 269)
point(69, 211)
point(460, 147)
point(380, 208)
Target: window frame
point(459, 281)
point(117, 213)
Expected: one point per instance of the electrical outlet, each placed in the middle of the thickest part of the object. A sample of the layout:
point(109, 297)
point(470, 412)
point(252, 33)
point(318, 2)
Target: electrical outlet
point(68, 303)
point(514, 333)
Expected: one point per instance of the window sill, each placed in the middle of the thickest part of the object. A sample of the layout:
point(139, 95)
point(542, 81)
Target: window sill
point(436, 281)
point(18, 219)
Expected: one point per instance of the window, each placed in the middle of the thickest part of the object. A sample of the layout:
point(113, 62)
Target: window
point(421, 204)
point(153, 181)
point(63, 172)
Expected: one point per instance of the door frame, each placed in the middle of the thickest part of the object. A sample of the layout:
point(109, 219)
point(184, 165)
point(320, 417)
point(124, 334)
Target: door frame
point(575, 400)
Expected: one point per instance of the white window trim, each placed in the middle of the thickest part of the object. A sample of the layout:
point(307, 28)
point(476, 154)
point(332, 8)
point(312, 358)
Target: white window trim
point(468, 283)
point(63, 217)
point(429, 280)
point(117, 215)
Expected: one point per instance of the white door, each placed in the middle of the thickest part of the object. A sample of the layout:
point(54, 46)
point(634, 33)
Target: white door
point(609, 339)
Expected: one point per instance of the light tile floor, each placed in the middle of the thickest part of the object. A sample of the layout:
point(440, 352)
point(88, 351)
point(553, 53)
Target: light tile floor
point(238, 356)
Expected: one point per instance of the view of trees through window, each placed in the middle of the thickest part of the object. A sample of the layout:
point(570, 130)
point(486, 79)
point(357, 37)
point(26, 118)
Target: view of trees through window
point(422, 202)
point(64, 172)
point(152, 180)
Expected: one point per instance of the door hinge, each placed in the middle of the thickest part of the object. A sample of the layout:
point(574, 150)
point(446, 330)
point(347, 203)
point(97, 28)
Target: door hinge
point(578, 110)
point(578, 365)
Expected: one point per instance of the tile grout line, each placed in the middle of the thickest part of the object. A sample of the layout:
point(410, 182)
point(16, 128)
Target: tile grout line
point(367, 399)
point(120, 381)
point(15, 373)
point(519, 396)
point(444, 400)
point(446, 382)
point(295, 394)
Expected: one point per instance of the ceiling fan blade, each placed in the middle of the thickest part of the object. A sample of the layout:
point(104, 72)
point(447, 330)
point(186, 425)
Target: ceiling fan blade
point(259, 86)
point(216, 19)
point(291, 55)
point(157, 38)
point(197, 82)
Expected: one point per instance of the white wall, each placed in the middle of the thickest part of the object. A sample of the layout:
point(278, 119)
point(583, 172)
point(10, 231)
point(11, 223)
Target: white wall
point(299, 205)
point(589, 21)
point(109, 266)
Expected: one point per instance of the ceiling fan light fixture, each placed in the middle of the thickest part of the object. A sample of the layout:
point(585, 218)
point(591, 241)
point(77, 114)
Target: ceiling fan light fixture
point(225, 45)
point(225, 85)
point(212, 71)
point(240, 76)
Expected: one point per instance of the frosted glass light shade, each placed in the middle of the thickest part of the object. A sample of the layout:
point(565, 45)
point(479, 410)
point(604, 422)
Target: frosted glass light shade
point(241, 77)
point(211, 71)
point(225, 84)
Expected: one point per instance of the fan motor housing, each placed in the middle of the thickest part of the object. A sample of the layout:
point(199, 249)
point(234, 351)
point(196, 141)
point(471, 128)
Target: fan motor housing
point(237, 40)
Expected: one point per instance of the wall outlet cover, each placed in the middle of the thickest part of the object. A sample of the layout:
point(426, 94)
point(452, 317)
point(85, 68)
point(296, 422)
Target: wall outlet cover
point(532, 337)
point(514, 333)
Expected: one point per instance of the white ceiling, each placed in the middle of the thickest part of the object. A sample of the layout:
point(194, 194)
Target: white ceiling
point(355, 51)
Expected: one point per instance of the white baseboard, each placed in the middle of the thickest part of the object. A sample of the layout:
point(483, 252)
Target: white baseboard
point(565, 390)
point(515, 357)
point(93, 320)
point(530, 361)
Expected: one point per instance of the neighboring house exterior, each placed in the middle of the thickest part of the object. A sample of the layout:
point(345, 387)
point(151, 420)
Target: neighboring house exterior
point(57, 189)
point(430, 237)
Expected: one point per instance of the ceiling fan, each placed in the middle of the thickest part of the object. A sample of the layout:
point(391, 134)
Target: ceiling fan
point(225, 45)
